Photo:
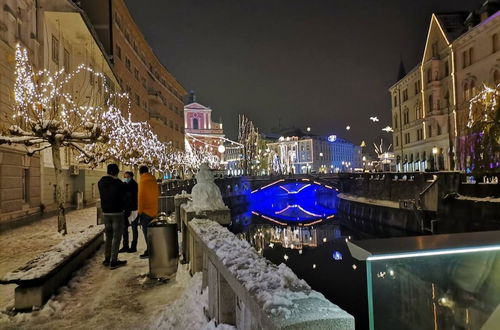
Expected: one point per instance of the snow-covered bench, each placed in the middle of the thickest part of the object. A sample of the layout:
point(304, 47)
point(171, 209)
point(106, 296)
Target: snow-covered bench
point(248, 291)
point(42, 276)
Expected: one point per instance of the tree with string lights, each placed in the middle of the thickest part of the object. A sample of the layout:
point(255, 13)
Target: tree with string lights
point(60, 109)
point(248, 137)
point(484, 130)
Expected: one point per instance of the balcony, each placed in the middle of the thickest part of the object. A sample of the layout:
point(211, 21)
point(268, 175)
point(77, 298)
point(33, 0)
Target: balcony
point(155, 96)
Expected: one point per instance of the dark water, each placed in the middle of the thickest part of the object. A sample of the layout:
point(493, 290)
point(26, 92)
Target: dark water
point(297, 224)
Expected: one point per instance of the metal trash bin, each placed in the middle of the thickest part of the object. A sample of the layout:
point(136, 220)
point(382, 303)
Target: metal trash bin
point(163, 247)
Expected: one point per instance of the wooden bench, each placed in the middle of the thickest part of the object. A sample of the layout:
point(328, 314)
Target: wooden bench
point(40, 278)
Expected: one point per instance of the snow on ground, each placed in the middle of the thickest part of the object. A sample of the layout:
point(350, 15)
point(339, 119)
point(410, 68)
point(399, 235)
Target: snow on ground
point(378, 202)
point(99, 298)
point(20, 245)
point(44, 263)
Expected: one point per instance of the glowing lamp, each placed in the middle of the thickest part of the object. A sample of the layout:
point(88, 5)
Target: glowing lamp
point(221, 149)
point(332, 138)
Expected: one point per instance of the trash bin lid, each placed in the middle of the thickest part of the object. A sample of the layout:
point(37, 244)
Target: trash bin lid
point(162, 221)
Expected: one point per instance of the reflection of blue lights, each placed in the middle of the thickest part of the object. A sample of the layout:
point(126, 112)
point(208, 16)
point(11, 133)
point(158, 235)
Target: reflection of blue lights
point(294, 201)
point(337, 255)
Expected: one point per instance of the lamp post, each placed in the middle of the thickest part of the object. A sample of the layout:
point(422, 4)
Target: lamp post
point(434, 153)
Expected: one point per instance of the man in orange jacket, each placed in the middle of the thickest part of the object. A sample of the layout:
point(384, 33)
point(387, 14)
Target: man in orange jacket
point(147, 202)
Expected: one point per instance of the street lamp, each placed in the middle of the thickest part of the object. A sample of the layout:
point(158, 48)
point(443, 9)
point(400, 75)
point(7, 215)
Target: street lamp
point(434, 153)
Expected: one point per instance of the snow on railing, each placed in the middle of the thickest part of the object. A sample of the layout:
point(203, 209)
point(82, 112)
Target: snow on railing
point(279, 293)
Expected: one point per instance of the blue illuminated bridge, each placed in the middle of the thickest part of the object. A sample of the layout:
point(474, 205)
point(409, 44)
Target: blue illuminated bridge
point(301, 201)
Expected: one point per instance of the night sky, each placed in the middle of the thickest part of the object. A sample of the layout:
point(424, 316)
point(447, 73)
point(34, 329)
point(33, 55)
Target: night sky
point(318, 63)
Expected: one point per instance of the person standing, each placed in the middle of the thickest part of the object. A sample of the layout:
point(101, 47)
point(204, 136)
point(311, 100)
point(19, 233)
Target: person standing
point(148, 202)
point(131, 215)
point(112, 192)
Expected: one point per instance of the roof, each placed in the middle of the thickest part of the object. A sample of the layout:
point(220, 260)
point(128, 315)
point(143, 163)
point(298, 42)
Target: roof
point(453, 24)
point(196, 106)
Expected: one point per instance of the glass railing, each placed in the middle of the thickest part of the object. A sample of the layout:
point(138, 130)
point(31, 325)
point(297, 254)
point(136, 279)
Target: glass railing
point(433, 282)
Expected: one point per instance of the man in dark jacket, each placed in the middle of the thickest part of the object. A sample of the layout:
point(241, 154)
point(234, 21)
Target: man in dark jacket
point(112, 193)
point(131, 216)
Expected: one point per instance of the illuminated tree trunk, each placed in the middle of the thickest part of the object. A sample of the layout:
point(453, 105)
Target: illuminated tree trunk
point(60, 198)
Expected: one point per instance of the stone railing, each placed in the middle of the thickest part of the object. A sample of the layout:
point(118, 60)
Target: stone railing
point(248, 291)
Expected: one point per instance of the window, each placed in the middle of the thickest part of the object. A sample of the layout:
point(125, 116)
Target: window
point(435, 52)
point(25, 184)
point(429, 75)
point(447, 99)
point(405, 95)
point(118, 52)
point(91, 75)
point(472, 89)
point(395, 101)
point(137, 99)
point(99, 83)
point(417, 112)
point(136, 74)
point(195, 123)
point(446, 69)
point(406, 116)
point(438, 129)
point(396, 121)
point(494, 43)
point(55, 49)
point(397, 141)
point(465, 56)
point(66, 155)
point(407, 138)
point(66, 60)
point(466, 92)
point(429, 130)
point(127, 63)
point(420, 134)
point(431, 103)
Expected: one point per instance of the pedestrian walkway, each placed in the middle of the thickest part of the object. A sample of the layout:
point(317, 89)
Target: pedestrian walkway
point(96, 297)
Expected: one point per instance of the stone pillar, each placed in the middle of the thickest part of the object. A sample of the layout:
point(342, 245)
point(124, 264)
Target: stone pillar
point(221, 298)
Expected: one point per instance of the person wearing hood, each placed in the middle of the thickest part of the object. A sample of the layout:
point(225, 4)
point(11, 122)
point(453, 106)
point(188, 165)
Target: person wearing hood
point(147, 202)
point(112, 192)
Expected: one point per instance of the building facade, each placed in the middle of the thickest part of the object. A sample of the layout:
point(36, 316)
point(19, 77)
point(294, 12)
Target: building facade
point(64, 34)
point(155, 95)
point(201, 131)
point(20, 184)
point(313, 154)
point(430, 103)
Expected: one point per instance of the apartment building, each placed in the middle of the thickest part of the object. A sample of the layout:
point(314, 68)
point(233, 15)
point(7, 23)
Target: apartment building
point(20, 192)
point(57, 35)
point(156, 96)
point(430, 102)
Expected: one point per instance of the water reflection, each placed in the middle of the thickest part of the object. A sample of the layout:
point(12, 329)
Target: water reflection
point(296, 201)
